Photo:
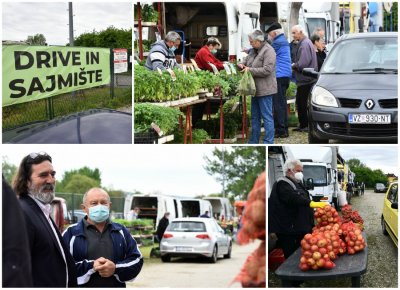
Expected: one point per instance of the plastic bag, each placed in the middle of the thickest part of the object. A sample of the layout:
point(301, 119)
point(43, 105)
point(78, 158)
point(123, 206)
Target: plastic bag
point(247, 86)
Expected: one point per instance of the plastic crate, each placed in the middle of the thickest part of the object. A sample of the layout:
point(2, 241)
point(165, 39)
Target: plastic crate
point(275, 259)
point(149, 137)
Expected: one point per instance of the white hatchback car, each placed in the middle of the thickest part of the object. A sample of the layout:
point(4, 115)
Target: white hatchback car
point(195, 237)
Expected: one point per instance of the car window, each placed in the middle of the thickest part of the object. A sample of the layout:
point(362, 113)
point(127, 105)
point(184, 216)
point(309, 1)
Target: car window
point(392, 195)
point(362, 54)
point(187, 226)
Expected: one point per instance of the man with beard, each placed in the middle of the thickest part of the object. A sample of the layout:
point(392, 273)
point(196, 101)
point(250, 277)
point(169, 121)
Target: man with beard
point(52, 264)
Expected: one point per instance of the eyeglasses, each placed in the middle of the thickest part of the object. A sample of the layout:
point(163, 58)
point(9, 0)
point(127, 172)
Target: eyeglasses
point(33, 156)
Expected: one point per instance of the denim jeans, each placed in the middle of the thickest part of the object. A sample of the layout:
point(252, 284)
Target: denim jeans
point(280, 107)
point(261, 109)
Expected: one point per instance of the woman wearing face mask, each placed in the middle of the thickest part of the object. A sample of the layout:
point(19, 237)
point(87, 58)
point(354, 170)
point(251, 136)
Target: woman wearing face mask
point(261, 63)
point(203, 57)
point(290, 213)
point(105, 252)
point(206, 55)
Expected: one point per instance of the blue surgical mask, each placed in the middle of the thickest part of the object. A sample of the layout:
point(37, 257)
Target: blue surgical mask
point(172, 49)
point(99, 213)
point(213, 51)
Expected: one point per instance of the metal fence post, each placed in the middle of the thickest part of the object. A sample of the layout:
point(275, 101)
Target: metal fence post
point(112, 83)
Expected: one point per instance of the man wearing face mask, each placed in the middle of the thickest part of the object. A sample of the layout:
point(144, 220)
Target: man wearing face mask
point(290, 209)
point(51, 263)
point(162, 54)
point(105, 252)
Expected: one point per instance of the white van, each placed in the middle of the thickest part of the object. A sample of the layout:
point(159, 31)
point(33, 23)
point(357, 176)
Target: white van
point(221, 206)
point(153, 206)
point(192, 207)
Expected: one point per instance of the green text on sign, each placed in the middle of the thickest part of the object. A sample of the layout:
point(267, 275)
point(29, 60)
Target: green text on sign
point(37, 72)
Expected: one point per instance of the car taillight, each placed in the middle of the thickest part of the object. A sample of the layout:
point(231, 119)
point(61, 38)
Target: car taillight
point(167, 236)
point(204, 237)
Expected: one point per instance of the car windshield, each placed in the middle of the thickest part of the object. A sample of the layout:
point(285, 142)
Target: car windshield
point(363, 55)
point(187, 226)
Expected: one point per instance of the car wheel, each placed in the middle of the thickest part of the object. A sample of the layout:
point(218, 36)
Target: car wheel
point(229, 254)
point(313, 139)
point(383, 223)
point(214, 257)
point(166, 258)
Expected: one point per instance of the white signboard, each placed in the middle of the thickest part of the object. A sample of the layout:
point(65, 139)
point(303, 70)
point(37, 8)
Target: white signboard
point(120, 60)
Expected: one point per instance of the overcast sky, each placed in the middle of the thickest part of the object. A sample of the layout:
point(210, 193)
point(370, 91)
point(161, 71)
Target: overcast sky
point(173, 169)
point(21, 19)
point(383, 157)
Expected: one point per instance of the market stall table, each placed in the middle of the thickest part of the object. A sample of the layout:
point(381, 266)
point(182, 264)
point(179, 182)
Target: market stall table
point(346, 266)
point(188, 121)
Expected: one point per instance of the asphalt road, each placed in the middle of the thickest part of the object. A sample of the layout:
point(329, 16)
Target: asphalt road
point(382, 271)
point(193, 273)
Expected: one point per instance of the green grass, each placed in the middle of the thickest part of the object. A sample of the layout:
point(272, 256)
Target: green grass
point(65, 104)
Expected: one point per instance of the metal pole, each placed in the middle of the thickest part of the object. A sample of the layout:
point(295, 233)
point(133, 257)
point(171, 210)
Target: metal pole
point(112, 74)
point(223, 172)
point(71, 30)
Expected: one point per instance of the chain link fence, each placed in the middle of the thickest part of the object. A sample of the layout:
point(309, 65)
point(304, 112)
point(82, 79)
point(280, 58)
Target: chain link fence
point(74, 201)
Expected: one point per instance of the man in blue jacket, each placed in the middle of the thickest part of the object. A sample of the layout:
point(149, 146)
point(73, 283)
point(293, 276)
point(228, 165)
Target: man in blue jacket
point(283, 74)
point(106, 255)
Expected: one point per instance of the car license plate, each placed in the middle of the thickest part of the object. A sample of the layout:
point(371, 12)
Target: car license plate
point(183, 249)
point(369, 118)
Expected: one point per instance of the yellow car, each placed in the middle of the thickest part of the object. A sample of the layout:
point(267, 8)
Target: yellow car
point(390, 212)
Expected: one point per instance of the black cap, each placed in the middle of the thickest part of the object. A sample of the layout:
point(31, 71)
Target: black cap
point(273, 26)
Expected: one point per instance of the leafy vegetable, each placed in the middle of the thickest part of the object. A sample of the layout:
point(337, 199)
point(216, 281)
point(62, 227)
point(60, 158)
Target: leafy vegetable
point(166, 118)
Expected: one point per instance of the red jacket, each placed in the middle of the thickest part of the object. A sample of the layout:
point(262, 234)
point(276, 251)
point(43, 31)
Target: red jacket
point(204, 56)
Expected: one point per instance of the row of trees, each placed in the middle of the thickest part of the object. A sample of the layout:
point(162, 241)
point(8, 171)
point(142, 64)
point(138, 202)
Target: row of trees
point(109, 38)
point(237, 169)
point(367, 175)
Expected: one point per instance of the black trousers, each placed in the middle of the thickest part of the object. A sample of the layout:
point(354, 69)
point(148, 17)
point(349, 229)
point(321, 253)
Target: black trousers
point(280, 106)
point(301, 102)
point(289, 243)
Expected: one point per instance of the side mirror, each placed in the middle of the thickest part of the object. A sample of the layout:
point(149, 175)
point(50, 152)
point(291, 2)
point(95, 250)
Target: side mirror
point(309, 184)
point(395, 205)
point(310, 72)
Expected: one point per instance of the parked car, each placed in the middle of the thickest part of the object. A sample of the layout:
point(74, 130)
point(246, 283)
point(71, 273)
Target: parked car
point(380, 187)
point(195, 237)
point(77, 215)
point(355, 96)
point(96, 126)
point(59, 213)
point(389, 219)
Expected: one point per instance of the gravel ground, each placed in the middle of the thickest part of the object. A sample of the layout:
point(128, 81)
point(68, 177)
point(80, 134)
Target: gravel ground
point(382, 271)
point(127, 109)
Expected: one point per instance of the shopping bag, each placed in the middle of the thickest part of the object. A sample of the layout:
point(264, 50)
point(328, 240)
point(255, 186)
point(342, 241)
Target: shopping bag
point(247, 86)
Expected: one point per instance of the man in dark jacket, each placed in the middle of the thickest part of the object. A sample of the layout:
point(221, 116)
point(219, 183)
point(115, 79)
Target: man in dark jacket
point(52, 264)
point(162, 226)
point(305, 58)
point(162, 54)
point(290, 214)
point(17, 271)
point(283, 74)
point(105, 252)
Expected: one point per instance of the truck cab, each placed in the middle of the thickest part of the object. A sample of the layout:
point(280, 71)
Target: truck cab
point(324, 179)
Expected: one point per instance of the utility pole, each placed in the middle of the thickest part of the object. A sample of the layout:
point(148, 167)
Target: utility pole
point(71, 24)
point(223, 172)
point(71, 32)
